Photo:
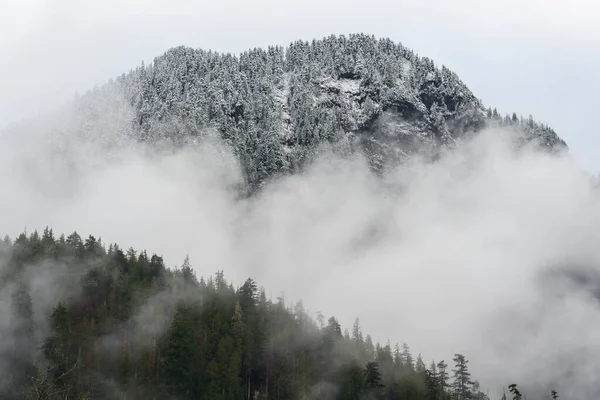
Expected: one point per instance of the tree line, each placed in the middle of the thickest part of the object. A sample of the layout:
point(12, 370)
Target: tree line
point(125, 326)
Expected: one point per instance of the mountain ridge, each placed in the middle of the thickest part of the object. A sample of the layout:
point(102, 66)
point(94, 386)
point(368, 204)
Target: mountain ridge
point(276, 106)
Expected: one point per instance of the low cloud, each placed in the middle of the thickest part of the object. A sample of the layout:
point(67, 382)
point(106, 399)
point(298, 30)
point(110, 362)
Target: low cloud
point(488, 252)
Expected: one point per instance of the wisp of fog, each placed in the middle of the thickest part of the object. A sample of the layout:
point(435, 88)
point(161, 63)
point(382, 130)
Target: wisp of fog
point(488, 252)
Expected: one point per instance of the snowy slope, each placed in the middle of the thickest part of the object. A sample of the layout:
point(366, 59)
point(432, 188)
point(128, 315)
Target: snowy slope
point(276, 106)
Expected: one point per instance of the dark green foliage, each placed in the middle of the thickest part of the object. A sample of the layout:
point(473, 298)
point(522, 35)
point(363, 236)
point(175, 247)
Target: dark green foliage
point(178, 352)
point(351, 381)
point(18, 355)
point(443, 377)
point(216, 341)
point(373, 381)
point(433, 388)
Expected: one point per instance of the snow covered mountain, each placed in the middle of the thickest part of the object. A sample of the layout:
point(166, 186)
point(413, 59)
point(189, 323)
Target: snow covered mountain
point(277, 106)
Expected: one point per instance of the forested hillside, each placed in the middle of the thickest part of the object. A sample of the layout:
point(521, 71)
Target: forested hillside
point(276, 106)
point(86, 320)
point(126, 327)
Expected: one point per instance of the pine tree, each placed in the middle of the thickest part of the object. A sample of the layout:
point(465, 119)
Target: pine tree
point(351, 381)
point(177, 359)
point(369, 348)
point(398, 362)
point(407, 359)
point(462, 378)
point(443, 378)
point(432, 385)
point(356, 332)
point(222, 342)
point(515, 392)
point(189, 275)
point(21, 354)
point(420, 367)
point(61, 350)
point(373, 382)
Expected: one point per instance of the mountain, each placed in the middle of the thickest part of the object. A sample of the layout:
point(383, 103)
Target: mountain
point(277, 106)
point(87, 321)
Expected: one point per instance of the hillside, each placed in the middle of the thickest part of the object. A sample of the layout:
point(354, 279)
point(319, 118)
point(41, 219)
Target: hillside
point(115, 324)
point(277, 106)
point(465, 256)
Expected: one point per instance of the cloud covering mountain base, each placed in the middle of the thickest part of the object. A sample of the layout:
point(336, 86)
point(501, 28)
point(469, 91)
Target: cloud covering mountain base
point(489, 251)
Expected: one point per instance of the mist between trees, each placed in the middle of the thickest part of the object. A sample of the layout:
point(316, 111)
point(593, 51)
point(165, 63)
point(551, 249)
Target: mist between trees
point(488, 252)
point(125, 326)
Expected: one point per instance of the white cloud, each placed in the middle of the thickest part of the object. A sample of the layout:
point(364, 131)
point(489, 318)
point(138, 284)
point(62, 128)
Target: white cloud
point(464, 260)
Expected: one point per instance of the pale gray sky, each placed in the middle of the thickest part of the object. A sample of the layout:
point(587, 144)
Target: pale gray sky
point(528, 56)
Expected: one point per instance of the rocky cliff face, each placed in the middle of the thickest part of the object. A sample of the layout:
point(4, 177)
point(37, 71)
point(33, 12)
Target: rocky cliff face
point(277, 106)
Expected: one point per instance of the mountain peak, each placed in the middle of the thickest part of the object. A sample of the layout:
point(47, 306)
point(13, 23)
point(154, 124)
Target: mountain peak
point(277, 105)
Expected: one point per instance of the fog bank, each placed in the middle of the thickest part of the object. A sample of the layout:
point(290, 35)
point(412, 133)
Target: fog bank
point(487, 252)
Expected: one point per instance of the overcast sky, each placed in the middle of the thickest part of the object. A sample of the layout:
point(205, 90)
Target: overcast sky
point(535, 57)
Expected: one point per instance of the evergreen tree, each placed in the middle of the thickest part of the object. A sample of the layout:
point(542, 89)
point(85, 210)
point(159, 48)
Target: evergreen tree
point(462, 378)
point(443, 377)
point(20, 355)
point(219, 341)
point(420, 366)
point(177, 359)
point(407, 359)
point(432, 385)
point(373, 382)
point(515, 392)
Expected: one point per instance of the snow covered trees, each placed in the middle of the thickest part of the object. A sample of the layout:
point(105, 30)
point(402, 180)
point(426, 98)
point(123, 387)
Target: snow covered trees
point(277, 106)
